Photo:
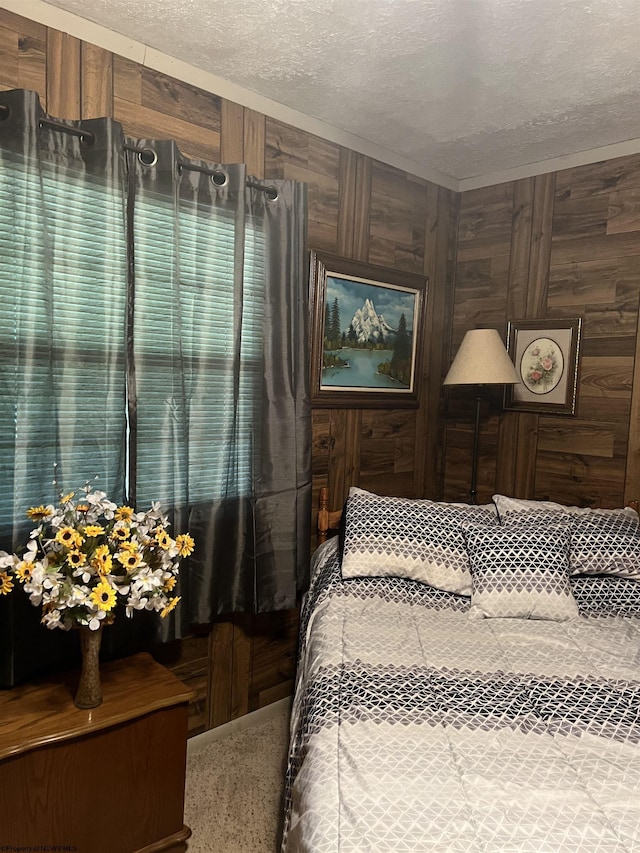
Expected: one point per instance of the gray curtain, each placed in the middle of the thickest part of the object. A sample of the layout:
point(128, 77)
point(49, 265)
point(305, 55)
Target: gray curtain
point(221, 423)
point(154, 334)
point(63, 277)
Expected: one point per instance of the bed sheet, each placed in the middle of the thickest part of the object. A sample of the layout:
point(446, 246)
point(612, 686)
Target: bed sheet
point(415, 728)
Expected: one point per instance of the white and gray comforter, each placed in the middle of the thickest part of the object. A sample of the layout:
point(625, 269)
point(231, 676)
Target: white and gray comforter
point(415, 728)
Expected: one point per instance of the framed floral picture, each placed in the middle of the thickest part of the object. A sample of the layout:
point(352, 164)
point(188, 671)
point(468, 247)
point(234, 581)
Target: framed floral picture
point(546, 356)
point(367, 334)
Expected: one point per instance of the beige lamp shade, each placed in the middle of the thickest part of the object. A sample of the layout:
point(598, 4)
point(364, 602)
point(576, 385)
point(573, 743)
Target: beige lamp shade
point(481, 360)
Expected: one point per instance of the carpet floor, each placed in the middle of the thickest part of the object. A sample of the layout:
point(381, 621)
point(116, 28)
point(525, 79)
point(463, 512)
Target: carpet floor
point(234, 789)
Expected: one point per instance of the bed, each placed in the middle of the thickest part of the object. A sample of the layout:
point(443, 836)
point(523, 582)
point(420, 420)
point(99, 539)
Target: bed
point(468, 680)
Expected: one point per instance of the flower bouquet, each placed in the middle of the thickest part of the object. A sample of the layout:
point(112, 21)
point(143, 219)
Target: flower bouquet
point(87, 554)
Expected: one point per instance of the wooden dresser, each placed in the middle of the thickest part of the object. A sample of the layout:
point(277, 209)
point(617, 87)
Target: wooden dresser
point(106, 780)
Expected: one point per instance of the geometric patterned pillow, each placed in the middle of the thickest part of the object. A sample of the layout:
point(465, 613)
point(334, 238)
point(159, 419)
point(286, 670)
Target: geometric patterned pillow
point(520, 510)
point(603, 541)
point(521, 572)
point(421, 540)
point(605, 545)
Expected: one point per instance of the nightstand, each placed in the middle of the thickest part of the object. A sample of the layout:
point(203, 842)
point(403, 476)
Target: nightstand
point(106, 780)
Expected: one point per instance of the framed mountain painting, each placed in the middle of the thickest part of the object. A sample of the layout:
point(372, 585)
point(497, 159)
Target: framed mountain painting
point(367, 334)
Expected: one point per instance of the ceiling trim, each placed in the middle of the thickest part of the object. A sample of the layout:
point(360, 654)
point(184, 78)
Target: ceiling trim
point(555, 164)
point(60, 19)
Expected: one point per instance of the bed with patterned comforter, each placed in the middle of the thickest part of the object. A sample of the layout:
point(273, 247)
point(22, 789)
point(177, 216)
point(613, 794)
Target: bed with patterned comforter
point(418, 728)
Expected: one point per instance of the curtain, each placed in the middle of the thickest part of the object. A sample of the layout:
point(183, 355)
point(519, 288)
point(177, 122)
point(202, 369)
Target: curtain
point(222, 416)
point(63, 267)
point(155, 336)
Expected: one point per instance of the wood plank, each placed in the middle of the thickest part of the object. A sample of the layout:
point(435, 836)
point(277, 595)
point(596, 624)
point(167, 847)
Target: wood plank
point(192, 140)
point(23, 26)
point(127, 80)
point(580, 480)
point(618, 174)
point(580, 217)
point(220, 672)
point(347, 202)
point(242, 655)
point(181, 101)
point(9, 75)
point(623, 213)
point(606, 376)
point(32, 65)
point(578, 284)
point(231, 132)
point(541, 232)
point(63, 75)
point(520, 255)
point(254, 142)
point(579, 436)
point(285, 145)
point(583, 249)
point(362, 209)
point(97, 81)
point(632, 471)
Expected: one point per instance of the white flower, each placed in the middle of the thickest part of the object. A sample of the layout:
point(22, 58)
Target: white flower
point(94, 622)
point(52, 619)
point(135, 602)
point(8, 560)
point(84, 573)
point(78, 595)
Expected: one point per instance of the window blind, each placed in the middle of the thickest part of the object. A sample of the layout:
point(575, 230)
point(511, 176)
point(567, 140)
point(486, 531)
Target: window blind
point(185, 333)
point(61, 333)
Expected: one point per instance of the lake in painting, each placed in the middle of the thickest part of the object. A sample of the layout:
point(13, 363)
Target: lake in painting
point(362, 371)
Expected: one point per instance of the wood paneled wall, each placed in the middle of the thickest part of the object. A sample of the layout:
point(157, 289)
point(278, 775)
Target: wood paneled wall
point(358, 208)
point(564, 244)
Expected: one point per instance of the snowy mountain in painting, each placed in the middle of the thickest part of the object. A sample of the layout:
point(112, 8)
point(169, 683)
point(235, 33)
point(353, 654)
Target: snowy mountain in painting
point(369, 325)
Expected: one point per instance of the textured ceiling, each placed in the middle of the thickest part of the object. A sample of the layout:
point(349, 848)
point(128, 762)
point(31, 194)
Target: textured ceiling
point(464, 87)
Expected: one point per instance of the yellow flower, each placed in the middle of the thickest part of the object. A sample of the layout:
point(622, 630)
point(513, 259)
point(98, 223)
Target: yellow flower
point(93, 530)
point(128, 547)
point(103, 596)
point(24, 571)
point(83, 507)
point(76, 558)
point(185, 544)
point(170, 606)
point(68, 497)
point(129, 559)
point(162, 538)
point(169, 584)
point(101, 560)
point(121, 531)
point(124, 513)
point(37, 513)
point(6, 584)
point(69, 537)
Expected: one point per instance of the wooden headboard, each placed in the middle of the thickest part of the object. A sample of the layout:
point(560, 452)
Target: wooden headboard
point(328, 520)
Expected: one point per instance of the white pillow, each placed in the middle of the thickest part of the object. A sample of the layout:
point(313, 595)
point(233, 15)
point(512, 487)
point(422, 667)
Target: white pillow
point(422, 540)
point(508, 508)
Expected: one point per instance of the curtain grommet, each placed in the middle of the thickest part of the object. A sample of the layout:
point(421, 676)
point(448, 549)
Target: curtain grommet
point(148, 157)
point(219, 178)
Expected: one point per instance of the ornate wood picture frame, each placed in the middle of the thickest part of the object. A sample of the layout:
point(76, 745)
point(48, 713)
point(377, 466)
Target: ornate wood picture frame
point(546, 355)
point(367, 332)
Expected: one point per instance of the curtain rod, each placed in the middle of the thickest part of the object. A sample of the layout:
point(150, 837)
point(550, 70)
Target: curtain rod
point(217, 176)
